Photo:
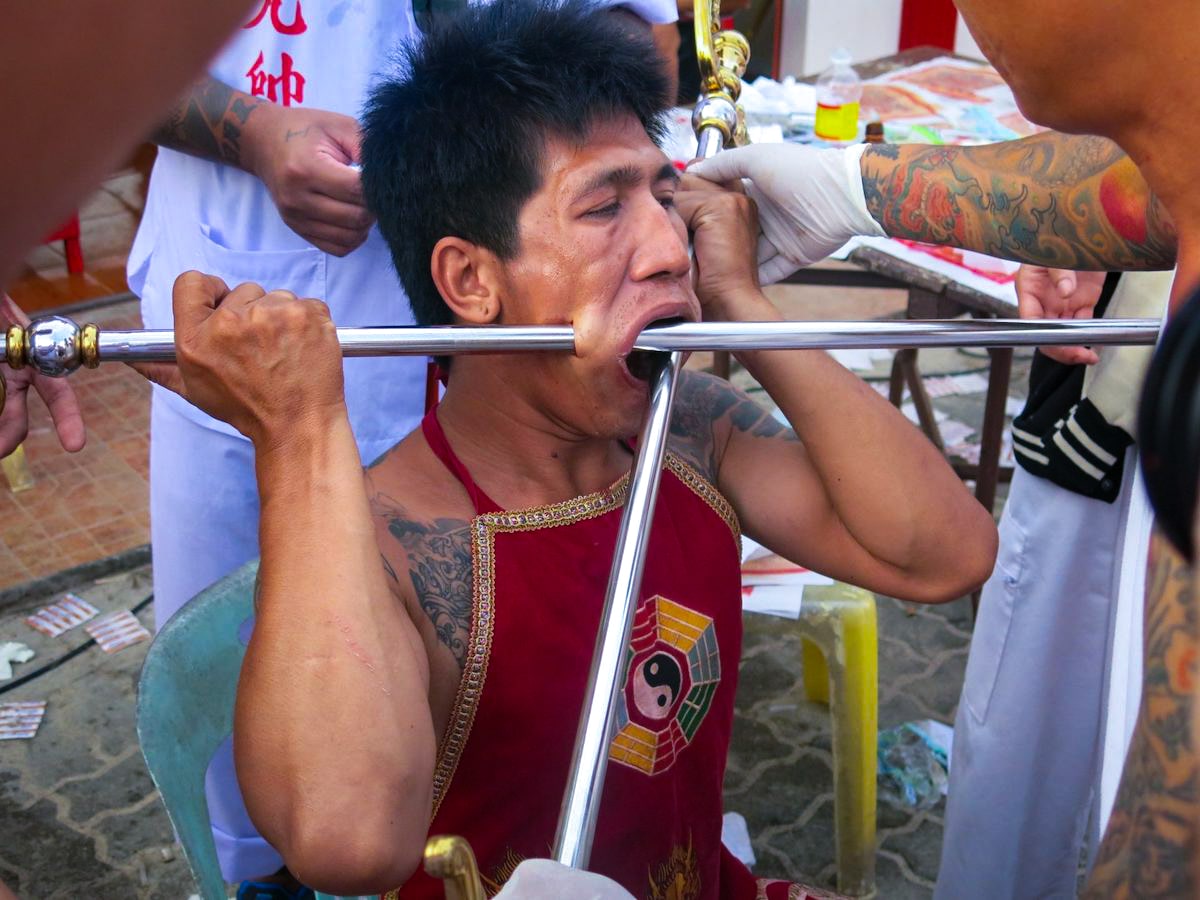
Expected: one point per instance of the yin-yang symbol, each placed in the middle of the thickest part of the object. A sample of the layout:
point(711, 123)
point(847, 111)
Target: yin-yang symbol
point(656, 684)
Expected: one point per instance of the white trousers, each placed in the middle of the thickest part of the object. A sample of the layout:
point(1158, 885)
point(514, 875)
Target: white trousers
point(1028, 737)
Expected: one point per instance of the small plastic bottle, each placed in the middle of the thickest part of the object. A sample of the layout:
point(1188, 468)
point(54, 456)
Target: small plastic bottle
point(838, 91)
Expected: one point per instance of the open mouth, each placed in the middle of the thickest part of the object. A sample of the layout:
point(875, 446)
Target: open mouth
point(643, 364)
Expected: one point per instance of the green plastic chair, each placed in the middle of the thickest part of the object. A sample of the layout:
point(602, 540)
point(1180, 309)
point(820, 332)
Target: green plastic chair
point(185, 711)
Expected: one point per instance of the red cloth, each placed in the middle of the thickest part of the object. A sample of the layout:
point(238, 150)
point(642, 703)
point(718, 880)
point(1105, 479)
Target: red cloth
point(539, 585)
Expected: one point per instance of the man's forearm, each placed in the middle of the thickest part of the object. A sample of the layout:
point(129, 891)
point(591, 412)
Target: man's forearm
point(887, 484)
point(1073, 202)
point(210, 121)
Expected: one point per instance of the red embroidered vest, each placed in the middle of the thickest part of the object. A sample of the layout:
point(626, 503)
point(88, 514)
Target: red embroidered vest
point(539, 581)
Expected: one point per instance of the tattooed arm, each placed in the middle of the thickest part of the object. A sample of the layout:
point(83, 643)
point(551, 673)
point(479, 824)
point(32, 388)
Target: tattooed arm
point(208, 122)
point(301, 155)
point(428, 565)
point(1149, 848)
point(1072, 202)
point(851, 489)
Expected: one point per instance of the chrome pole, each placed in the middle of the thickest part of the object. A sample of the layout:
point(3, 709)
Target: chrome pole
point(716, 123)
point(589, 761)
point(53, 344)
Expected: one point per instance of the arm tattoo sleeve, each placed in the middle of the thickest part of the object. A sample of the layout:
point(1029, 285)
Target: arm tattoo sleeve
point(1149, 848)
point(208, 122)
point(1073, 202)
point(439, 568)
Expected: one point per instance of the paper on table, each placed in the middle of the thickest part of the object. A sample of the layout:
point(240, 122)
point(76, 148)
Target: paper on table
point(765, 96)
point(771, 585)
point(1005, 292)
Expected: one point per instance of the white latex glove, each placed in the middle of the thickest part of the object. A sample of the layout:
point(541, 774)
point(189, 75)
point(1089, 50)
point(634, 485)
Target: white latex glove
point(810, 201)
point(540, 879)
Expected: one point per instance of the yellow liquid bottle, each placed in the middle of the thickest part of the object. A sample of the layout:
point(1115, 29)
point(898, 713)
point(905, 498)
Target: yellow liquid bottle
point(839, 91)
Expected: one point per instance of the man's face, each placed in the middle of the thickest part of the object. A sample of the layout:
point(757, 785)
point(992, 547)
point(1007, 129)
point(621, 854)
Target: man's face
point(602, 249)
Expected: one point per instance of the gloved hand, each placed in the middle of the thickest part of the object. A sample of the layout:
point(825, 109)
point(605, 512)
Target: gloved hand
point(536, 879)
point(810, 201)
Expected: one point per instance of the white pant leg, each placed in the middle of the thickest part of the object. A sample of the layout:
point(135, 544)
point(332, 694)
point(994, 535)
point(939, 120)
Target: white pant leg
point(203, 525)
point(1026, 738)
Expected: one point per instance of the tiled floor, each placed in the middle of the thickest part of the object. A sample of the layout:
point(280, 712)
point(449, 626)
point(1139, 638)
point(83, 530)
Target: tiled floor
point(92, 504)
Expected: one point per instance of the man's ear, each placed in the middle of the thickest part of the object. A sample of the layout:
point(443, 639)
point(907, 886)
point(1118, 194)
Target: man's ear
point(468, 278)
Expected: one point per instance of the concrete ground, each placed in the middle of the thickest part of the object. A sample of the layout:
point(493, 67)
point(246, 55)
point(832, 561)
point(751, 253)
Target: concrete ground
point(79, 817)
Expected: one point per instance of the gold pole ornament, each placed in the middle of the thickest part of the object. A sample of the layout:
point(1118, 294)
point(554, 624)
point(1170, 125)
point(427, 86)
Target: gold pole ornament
point(449, 858)
point(14, 347)
point(722, 57)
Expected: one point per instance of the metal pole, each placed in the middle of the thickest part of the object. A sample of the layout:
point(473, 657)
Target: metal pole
point(709, 142)
point(63, 352)
point(581, 803)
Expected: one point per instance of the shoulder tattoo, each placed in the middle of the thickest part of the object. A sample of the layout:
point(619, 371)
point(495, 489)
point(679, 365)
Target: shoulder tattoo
point(439, 569)
point(706, 411)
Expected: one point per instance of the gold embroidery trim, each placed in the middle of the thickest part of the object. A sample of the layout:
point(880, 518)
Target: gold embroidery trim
point(701, 487)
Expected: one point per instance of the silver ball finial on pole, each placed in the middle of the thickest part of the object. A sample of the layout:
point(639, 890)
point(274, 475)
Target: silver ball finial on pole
point(52, 346)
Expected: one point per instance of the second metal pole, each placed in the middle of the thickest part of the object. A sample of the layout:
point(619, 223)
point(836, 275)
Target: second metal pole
point(589, 762)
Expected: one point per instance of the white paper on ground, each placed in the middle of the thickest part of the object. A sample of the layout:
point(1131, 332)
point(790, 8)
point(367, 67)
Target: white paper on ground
point(949, 385)
point(11, 652)
point(954, 432)
point(117, 631)
point(20, 720)
point(910, 413)
point(62, 616)
point(736, 837)
point(861, 360)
